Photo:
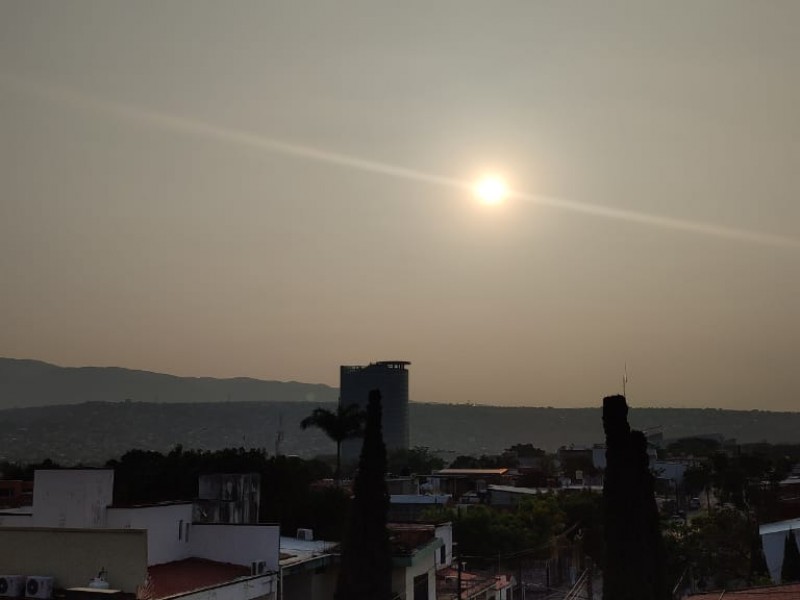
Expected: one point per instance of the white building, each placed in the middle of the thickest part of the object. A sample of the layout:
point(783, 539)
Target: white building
point(72, 531)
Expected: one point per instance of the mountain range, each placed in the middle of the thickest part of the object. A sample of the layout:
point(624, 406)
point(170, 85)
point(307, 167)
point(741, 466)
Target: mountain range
point(90, 415)
point(27, 383)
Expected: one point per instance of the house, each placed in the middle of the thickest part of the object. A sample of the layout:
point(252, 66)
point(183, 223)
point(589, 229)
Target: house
point(308, 567)
point(411, 507)
point(773, 539)
point(509, 496)
point(457, 482)
point(474, 586)
point(73, 531)
point(415, 548)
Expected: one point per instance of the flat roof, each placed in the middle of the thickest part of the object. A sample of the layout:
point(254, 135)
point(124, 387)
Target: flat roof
point(779, 526)
point(296, 552)
point(419, 499)
point(502, 471)
point(292, 543)
point(182, 576)
point(519, 490)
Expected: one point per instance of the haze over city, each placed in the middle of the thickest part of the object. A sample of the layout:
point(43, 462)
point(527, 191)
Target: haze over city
point(274, 189)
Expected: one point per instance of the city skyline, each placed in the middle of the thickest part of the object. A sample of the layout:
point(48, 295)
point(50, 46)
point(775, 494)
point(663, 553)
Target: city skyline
point(274, 190)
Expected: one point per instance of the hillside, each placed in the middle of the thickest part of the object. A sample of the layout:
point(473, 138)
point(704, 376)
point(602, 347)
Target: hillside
point(93, 432)
point(27, 383)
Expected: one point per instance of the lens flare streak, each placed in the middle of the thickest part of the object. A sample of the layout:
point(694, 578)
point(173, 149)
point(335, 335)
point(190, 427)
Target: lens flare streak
point(233, 136)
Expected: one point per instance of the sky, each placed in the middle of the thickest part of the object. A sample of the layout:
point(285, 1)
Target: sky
point(273, 189)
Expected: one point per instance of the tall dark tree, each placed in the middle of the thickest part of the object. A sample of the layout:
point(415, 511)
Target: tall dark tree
point(790, 569)
point(342, 424)
point(634, 548)
point(366, 568)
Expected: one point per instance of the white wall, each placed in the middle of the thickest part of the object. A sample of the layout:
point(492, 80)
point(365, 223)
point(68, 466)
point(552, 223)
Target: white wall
point(237, 544)
point(774, 546)
point(264, 586)
point(403, 578)
point(444, 532)
point(72, 497)
point(162, 522)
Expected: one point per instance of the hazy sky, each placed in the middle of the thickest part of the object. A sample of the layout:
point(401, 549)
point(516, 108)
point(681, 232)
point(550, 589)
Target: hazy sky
point(152, 216)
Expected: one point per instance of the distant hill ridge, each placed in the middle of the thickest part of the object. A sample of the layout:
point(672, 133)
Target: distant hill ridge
point(29, 383)
point(81, 415)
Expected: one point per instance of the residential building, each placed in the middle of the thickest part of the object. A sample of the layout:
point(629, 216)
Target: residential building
point(457, 482)
point(73, 531)
point(773, 539)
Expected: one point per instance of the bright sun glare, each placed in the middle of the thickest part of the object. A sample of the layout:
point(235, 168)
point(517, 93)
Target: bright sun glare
point(491, 190)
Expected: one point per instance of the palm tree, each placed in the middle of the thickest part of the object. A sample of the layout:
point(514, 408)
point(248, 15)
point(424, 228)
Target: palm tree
point(344, 423)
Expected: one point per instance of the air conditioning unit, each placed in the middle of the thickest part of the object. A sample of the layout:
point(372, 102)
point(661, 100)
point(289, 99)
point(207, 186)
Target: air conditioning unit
point(258, 568)
point(305, 534)
point(38, 587)
point(12, 586)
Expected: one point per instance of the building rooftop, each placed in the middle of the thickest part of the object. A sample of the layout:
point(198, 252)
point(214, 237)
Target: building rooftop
point(530, 491)
point(420, 499)
point(472, 584)
point(182, 576)
point(294, 551)
point(446, 472)
point(779, 526)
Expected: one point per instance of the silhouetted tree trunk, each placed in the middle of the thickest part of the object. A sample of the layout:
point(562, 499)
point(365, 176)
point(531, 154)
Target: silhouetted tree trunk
point(634, 548)
point(790, 569)
point(366, 569)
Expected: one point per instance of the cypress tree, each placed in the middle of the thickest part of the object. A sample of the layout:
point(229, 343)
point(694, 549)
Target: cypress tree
point(634, 548)
point(790, 569)
point(366, 568)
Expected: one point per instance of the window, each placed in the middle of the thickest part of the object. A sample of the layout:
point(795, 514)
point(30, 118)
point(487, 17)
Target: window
point(421, 587)
point(180, 529)
point(443, 555)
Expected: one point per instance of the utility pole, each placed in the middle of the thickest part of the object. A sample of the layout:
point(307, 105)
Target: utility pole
point(458, 566)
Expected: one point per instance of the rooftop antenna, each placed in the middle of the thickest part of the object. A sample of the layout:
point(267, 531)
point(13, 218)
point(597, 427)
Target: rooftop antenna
point(625, 381)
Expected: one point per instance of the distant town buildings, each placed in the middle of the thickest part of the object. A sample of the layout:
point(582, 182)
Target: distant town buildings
point(391, 378)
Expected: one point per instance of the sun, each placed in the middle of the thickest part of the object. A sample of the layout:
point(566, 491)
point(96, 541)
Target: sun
point(491, 190)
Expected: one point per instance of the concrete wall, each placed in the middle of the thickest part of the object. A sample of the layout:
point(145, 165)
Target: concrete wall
point(74, 556)
point(237, 544)
point(228, 498)
point(261, 588)
point(310, 585)
point(72, 497)
point(162, 522)
point(424, 561)
point(16, 520)
point(444, 532)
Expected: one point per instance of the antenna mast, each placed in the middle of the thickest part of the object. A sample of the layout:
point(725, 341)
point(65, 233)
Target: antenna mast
point(625, 380)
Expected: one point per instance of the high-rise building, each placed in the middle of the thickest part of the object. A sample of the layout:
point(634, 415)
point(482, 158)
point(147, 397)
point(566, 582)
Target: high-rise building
point(391, 378)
